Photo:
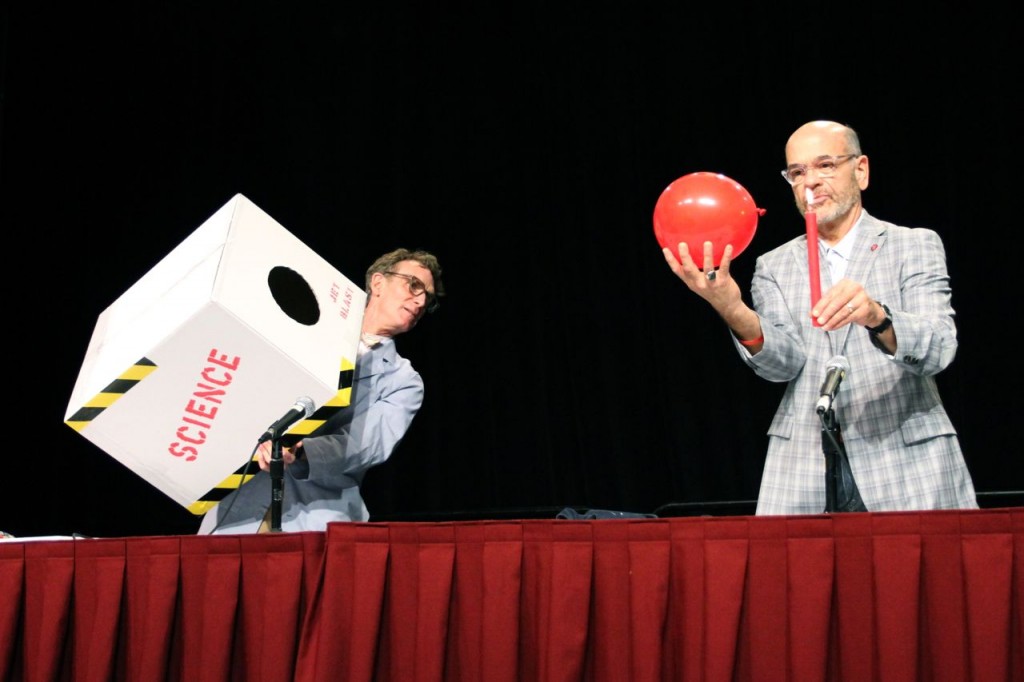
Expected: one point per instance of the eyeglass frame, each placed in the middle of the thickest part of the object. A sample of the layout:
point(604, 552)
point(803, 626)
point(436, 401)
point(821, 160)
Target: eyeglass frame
point(837, 160)
point(412, 282)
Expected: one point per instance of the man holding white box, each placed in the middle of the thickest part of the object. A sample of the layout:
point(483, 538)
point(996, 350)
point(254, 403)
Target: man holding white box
point(323, 471)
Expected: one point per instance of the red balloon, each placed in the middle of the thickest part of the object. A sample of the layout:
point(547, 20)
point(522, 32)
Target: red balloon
point(702, 207)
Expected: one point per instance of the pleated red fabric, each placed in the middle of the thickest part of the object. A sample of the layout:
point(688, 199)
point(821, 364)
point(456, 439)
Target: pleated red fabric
point(935, 596)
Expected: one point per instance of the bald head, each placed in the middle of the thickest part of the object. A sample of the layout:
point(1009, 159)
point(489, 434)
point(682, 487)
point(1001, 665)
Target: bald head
point(825, 134)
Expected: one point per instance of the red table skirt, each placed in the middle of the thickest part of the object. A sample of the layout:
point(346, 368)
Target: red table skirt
point(875, 596)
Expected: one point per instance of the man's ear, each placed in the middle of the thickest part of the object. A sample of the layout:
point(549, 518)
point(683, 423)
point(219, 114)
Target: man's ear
point(862, 172)
point(376, 283)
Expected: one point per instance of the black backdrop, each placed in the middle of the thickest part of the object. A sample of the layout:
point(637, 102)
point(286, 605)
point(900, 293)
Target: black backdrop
point(526, 145)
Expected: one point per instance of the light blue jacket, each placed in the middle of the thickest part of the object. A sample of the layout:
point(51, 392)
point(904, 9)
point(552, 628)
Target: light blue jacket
point(386, 394)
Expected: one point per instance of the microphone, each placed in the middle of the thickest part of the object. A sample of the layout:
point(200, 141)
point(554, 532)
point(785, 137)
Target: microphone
point(838, 366)
point(302, 408)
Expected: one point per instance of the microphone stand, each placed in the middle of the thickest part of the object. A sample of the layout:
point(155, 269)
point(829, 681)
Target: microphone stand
point(841, 495)
point(276, 483)
point(830, 445)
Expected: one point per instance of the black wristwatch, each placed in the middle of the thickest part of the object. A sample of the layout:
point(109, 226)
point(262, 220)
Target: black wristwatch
point(886, 323)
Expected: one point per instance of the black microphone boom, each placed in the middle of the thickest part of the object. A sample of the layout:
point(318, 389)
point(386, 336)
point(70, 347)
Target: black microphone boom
point(837, 368)
point(302, 408)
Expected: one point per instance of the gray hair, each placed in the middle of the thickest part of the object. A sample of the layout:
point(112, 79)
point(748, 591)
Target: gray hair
point(852, 140)
point(389, 260)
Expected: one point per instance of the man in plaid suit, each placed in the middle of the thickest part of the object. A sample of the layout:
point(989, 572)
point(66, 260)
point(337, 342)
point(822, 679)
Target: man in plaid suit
point(885, 310)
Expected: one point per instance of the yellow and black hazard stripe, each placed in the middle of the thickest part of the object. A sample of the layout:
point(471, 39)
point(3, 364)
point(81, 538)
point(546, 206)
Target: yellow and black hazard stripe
point(111, 394)
point(341, 399)
point(241, 475)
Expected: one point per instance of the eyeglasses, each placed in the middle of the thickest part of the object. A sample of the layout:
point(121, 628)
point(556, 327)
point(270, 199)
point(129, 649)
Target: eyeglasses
point(417, 287)
point(824, 166)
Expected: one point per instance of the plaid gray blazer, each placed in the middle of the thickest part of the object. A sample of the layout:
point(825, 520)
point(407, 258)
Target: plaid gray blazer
point(902, 446)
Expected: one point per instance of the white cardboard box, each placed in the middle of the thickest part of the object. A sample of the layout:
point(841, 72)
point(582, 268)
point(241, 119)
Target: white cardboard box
point(187, 369)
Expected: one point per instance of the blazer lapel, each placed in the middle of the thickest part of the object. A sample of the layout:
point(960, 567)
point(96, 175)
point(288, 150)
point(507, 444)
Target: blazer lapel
point(870, 239)
point(865, 251)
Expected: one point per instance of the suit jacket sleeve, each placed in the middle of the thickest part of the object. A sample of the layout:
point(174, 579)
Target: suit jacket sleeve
point(386, 396)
